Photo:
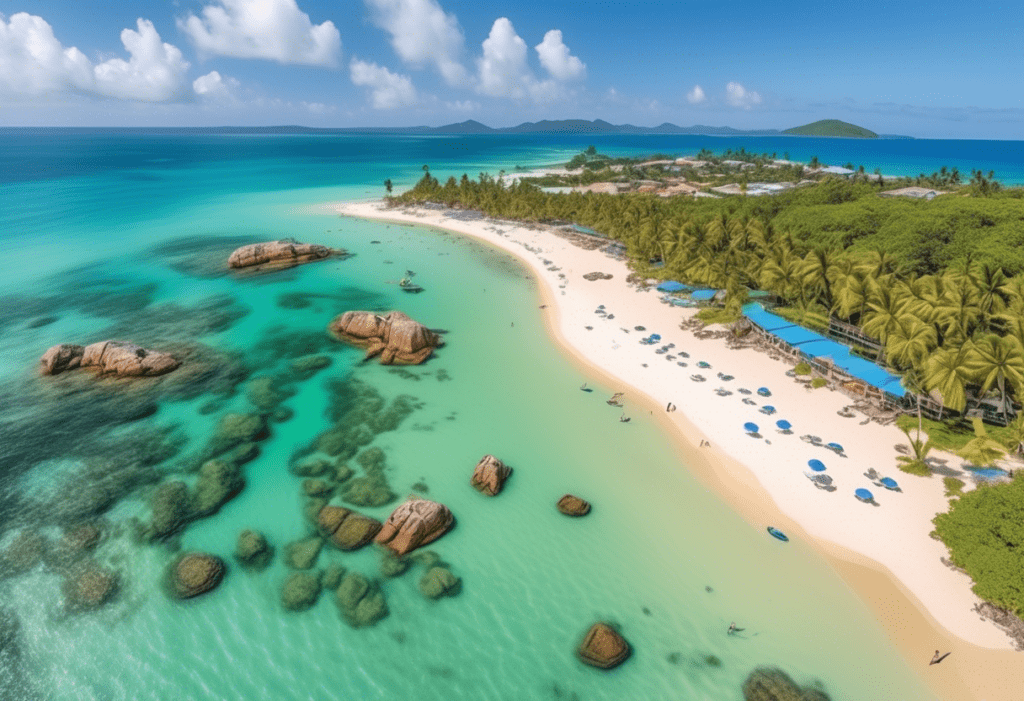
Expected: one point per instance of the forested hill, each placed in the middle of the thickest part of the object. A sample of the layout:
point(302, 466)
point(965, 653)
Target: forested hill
point(832, 127)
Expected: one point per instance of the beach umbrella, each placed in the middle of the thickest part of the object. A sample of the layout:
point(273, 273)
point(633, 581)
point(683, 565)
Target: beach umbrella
point(816, 465)
point(750, 427)
point(783, 424)
point(835, 446)
point(767, 409)
point(888, 483)
point(764, 392)
point(655, 336)
point(864, 495)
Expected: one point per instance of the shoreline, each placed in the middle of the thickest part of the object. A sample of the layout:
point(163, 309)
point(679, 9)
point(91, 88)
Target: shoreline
point(884, 553)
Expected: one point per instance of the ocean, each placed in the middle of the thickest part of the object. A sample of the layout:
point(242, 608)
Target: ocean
point(124, 235)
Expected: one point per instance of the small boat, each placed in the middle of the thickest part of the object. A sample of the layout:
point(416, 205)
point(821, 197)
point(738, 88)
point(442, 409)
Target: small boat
point(407, 285)
point(776, 533)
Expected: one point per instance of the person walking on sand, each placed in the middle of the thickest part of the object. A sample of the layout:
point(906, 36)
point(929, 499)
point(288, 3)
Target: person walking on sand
point(938, 657)
point(732, 628)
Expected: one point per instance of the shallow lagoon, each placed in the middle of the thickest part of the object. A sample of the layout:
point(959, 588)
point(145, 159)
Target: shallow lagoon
point(533, 580)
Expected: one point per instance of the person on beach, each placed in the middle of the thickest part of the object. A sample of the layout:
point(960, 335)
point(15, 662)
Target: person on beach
point(732, 628)
point(938, 657)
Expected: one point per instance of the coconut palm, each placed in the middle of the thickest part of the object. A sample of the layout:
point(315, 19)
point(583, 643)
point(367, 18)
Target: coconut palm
point(917, 462)
point(909, 342)
point(818, 273)
point(1014, 441)
point(948, 371)
point(886, 307)
point(997, 361)
point(981, 450)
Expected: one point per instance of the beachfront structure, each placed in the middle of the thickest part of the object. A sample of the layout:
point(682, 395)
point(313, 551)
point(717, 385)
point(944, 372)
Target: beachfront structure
point(918, 193)
point(836, 170)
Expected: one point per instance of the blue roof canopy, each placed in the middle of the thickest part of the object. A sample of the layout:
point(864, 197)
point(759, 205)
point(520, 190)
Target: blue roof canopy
point(703, 295)
point(672, 286)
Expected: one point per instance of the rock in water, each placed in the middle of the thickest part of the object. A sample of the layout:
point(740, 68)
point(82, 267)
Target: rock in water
point(395, 337)
point(27, 550)
point(360, 601)
point(603, 647)
point(489, 475)
point(252, 550)
point(171, 507)
point(302, 554)
point(219, 482)
point(88, 587)
point(277, 255)
point(772, 684)
point(300, 591)
point(347, 529)
point(234, 430)
point(573, 506)
point(413, 524)
point(195, 573)
point(109, 358)
point(438, 582)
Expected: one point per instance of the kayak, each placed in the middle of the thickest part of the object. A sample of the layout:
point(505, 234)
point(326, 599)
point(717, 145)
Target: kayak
point(776, 533)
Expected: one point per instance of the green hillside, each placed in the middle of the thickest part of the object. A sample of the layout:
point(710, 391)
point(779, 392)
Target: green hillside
point(832, 127)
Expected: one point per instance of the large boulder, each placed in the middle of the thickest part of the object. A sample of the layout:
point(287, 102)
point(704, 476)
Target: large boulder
point(573, 506)
point(194, 574)
point(109, 358)
point(219, 481)
point(603, 647)
point(252, 550)
point(277, 255)
point(347, 529)
point(772, 684)
point(300, 590)
point(413, 524)
point(88, 586)
point(360, 601)
point(489, 475)
point(395, 337)
point(171, 507)
point(302, 554)
point(438, 582)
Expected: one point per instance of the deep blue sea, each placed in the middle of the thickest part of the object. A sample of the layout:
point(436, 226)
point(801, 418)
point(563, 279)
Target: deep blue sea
point(125, 235)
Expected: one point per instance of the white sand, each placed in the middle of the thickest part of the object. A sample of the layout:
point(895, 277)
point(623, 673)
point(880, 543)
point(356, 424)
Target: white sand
point(894, 534)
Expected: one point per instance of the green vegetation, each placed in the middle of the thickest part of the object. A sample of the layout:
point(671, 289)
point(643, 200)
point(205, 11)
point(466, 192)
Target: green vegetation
point(984, 531)
point(954, 487)
point(832, 127)
point(812, 317)
point(917, 462)
point(818, 383)
point(719, 316)
point(802, 369)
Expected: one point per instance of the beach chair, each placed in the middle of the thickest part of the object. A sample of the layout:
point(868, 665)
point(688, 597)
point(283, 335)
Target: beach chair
point(872, 474)
point(820, 481)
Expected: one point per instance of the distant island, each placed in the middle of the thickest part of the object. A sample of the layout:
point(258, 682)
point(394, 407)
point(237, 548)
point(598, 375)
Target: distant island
point(832, 127)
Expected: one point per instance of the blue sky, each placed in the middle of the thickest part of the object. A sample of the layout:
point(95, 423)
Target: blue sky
point(939, 69)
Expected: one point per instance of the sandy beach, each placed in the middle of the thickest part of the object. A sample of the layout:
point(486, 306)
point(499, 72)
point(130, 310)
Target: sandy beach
point(882, 550)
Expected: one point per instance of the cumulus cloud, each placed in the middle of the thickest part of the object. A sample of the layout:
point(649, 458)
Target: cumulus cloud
point(423, 34)
point(463, 106)
point(738, 96)
point(555, 57)
point(388, 90)
point(502, 67)
point(696, 96)
point(276, 30)
point(33, 62)
point(214, 86)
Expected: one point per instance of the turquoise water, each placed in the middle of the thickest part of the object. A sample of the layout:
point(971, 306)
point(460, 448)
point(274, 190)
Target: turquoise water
point(129, 248)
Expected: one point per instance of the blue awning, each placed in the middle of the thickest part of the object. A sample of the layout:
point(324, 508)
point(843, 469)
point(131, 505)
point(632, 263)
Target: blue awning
point(703, 295)
point(673, 286)
point(798, 335)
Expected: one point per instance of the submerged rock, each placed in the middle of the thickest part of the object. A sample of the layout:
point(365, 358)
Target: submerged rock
point(252, 550)
point(88, 586)
point(302, 554)
point(415, 523)
point(772, 684)
point(172, 508)
point(317, 488)
point(308, 365)
point(392, 565)
point(26, 551)
point(368, 491)
point(219, 482)
point(438, 582)
point(489, 475)
point(333, 576)
point(360, 601)
point(395, 336)
point(194, 574)
point(234, 430)
point(573, 506)
point(266, 393)
point(603, 647)
point(347, 529)
point(300, 591)
point(312, 468)
point(81, 539)
point(108, 357)
point(278, 255)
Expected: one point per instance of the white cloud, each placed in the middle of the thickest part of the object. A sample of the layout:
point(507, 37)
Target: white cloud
point(154, 73)
point(738, 96)
point(214, 86)
point(318, 108)
point(502, 68)
point(696, 96)
point(33, 62)
point(555, 57)
point(276, 30)
point(463, 106)
point(389, 90)
point(421, 34)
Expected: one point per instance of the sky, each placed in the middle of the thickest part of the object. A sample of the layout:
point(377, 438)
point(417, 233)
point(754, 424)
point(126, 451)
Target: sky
point(938, 69)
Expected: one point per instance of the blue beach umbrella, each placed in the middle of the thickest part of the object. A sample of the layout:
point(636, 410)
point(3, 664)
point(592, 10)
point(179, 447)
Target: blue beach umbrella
point(835, 446)
point(767, 409)
point(888, 483)
point(864, 495)
point(750, 427)
point(783, 424)
point(816, 465)
point(764, 392)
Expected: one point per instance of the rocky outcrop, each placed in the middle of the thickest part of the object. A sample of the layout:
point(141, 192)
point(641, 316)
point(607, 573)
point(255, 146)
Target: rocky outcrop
point(360, 601)
point(489, 475)
point(333, 576)
point(25, 552)
point(395, 337)
point(252, 550)
point(438, 582)
point(81, 539)
point(219, 481)
point(347, 529)
point(573, 506)
point(234, 430)
point(194, 574)
point(317, 488)
point(603, 647)
point(109, 358)
point(88, 586)
point(772, 684)
point(171, 507)
point(413, 524)
point(277, 255)
point(300, 590)
point(302, 554)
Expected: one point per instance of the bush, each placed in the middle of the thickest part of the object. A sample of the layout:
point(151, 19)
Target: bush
point(718, 316)
point(954, 486)
point(802, 369)
point(983, 530)
point(818, 382)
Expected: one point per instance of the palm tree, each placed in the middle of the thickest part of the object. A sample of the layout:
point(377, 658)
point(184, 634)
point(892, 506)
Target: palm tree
point(388, 186)
point(947, 371)
point(1015, 440)
point(917, 462)
point(818, 273)
point(996, 361)
point(909, 342)
point(886, 307)
point(981, 450)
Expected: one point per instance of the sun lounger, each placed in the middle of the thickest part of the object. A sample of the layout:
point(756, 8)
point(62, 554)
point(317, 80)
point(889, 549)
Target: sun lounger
point(698, 378)
point(872, 474)
point(820, 481)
